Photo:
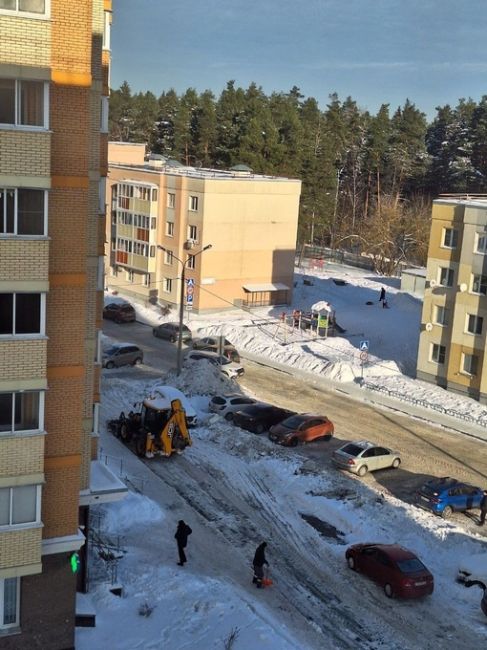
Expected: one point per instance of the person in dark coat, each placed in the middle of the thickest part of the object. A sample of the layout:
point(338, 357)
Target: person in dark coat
point(382, 296)
point(259, 561)
point(182, 539)
point(483, 509)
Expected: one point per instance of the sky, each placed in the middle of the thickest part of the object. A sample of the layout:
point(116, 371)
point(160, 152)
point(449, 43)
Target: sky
point(376, 51)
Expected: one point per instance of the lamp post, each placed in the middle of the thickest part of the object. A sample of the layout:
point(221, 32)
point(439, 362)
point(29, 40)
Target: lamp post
point(181, 299)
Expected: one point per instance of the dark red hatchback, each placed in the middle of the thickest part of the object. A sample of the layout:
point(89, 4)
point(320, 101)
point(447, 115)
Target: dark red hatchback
point(396, 569)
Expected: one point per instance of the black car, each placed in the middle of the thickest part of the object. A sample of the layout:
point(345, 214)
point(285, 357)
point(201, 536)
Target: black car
point(120, 312)
point(260, 417)
point(170, 331)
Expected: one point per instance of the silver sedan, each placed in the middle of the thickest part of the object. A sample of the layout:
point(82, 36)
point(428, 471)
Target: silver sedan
point(364, 456)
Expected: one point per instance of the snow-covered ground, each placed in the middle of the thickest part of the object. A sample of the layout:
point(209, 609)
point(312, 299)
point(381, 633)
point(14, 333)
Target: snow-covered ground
point(316, 602)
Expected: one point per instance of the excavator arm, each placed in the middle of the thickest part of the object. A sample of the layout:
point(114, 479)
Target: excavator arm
point(173, 437)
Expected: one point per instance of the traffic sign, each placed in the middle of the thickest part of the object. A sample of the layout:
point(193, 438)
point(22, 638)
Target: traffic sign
point(364, 346)
point(364, 356)
point(190, 282)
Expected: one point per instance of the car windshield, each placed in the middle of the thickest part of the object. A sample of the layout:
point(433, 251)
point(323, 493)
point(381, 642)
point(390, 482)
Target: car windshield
point(412, 565)
point(352, 450)
point(185, 328)
point(113, 349)
point(294, 422)
point(218, 400)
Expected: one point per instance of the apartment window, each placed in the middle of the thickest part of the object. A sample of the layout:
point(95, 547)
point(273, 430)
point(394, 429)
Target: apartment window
point(469, 364)
point(23, 103)
point(445, 277)
point(169, 228)
point(481, 244)
point(153, 223)
point(9, 601)
point(450, 238)
point(479, 284)
point(104, 114)
point(167, 285)
point(130, 276)
point(21, 313)
point(171, 200)
point(107, 23)
point(146, 280)
point(37, 7)
point(168, 257)
point(474, 324)
point(20, 505)
point(154, 195)
point(191, 262)
point(193, 233)
point(193, 203)
point(441, 315)
point(21, 411)
point(438, 353)
point(23, 211)
point(152, 251)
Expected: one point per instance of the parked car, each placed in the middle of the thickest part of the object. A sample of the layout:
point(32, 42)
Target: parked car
point(170, 331)
point(120, 312)
point(397, 570)
point(229, 368)
point(212, 344)
point(301, 428)
point(445, 495)
point(364, 456)
point(164, 395)
point(473, 567)
point(226, 405)
point(260, 417)
point(122, 354)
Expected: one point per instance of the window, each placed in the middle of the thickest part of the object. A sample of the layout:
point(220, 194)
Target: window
point(152, 251)
point(104, 114)
point(450, 238)
point(168, 257)
point(23, 212)
point(167, 285)
point(193, 233)
point(169, 228)
point(38, 7)
point(9, 601)
point(474, 324)
point(114, 244)
point(22, 411)
point(171, 200)
point(481, 245)
point(146, 280)
point(130, 276)
point(479, 284)
point(23, 103)
point(469, 364)
point(193, 203)
point(446, 277)
point(20, 505)
point(438, 353)
point(107, 22)
point(191, 262)
point(21, 313)
point(441, 315)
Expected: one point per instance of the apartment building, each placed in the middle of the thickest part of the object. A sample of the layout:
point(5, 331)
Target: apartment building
point(164, 215)
point(454, 320)
point(54, 61)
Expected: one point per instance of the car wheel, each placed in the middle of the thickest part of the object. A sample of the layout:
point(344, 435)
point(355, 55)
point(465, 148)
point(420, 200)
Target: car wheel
point(140, 446)
point(259, 429)
point(293, 442)
point(125, 434)
point(396, 463)
point(363, 469)
point(447, 512)
point(137, 361)
point(388, 590)
point(351, 563)
point(229, 417)
point(172, 339)
point(109, 365)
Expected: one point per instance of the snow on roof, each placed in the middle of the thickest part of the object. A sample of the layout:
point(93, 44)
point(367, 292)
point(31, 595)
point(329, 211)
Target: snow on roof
point(265, 286)
point(322, 305)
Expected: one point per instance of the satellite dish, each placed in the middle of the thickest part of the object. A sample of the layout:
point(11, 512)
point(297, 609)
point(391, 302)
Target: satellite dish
point(428, 327)
point(463, 287)
point(433, 283)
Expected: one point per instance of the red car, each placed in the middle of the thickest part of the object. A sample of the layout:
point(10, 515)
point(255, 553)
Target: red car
point(301, 428)
point(396, 569)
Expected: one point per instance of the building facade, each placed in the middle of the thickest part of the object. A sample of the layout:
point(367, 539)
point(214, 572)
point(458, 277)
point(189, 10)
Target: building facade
point(54, 62)
point(454, 319)
point(163, 214)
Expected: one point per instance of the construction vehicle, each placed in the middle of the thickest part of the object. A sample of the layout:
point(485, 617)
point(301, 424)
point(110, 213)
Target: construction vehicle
point(154, 430)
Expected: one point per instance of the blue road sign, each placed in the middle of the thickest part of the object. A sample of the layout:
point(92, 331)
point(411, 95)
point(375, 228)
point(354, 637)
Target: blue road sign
point(364, 346)
point(190, 282)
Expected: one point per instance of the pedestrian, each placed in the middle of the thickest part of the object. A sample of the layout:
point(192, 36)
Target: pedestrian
point(483, 509)
point(382, 296)
point(259, 561)
point(181, 536)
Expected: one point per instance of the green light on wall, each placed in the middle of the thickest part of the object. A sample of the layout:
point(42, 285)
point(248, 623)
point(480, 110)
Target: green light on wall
point(75, 562)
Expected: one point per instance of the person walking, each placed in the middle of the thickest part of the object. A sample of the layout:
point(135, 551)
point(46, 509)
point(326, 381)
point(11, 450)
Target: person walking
point(259, 561)
point(382, 296)
point(483, 509)
point(181, 537)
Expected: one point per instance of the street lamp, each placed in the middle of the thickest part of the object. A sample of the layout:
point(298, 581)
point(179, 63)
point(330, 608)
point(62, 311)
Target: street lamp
point(181, 299)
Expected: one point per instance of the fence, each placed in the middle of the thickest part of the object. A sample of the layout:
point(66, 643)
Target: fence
point(116, 464)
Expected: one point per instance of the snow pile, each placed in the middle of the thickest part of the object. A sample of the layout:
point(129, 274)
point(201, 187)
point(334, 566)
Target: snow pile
point(133, 511)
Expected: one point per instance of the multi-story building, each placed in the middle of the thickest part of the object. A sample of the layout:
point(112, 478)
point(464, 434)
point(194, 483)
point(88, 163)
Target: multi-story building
point(454, 321)
point(164, 214)
point(54, 62)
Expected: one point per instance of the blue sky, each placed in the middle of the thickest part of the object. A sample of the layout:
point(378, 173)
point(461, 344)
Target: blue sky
point(378, 51)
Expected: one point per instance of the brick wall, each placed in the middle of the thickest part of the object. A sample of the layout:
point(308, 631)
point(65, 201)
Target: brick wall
point(20, 456)
point(25, 260)
point(72, 35)
point(24, 41)
point(69, 120)
point(23, 359)
point(27, 153)
point(20, 548)
point(60, 497)
point(67, 216)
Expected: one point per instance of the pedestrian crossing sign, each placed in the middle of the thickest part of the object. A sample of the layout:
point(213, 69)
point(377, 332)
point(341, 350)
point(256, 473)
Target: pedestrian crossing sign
point(364, 346)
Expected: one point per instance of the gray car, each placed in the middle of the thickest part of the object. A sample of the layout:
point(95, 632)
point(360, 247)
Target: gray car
point(170, 331)
point(364, 456)
point(122, 354)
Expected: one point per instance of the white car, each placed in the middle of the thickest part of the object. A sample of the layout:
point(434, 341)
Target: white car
point(473, 567)
point(226, 405)
point(164, 395)
point(227, 367)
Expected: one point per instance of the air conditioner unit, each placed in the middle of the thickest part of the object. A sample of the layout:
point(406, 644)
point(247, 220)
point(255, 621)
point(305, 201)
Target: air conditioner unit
point(189, 244)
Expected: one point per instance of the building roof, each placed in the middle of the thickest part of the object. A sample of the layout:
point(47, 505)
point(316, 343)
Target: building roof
point(473, 200)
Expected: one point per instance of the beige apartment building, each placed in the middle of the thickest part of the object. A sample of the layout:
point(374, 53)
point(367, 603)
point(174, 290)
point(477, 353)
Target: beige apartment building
point(162, 216)
point(54, 60)
point(454, 321)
